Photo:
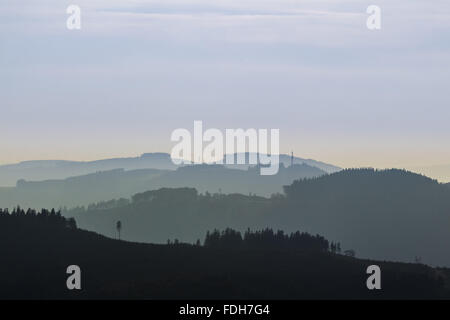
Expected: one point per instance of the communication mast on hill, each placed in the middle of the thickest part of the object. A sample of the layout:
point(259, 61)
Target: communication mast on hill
point(292, 158)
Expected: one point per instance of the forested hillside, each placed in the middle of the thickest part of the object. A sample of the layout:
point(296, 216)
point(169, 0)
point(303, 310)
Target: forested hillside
point(260, 265)
point(388, 214)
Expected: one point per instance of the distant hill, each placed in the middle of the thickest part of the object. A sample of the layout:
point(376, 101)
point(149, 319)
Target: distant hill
point(218, 178)
point(286, 161)
point(80, 190)
point(389, 214)
point(117, 183)
point(41, 247)
point(55, 169)
point(385, 214)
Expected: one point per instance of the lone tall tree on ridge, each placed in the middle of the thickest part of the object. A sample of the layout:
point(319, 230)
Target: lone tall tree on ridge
point(119, 227)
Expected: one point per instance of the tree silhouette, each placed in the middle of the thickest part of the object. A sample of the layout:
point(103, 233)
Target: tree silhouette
point(266, 239)
point(119, 227)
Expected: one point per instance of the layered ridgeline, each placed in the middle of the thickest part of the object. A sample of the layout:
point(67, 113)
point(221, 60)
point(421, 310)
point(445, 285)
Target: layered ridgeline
point(106, 185)
point(391, 214)
point(36, 170)
point(58, 169)
point(227, 265)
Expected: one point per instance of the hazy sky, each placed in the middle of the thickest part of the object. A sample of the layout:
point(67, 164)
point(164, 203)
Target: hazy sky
point(137, 70)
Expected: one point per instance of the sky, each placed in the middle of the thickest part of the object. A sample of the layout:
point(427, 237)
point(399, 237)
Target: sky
point(137, 70)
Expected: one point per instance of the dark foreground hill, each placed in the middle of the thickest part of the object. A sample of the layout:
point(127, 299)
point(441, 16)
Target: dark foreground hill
point(37, 249)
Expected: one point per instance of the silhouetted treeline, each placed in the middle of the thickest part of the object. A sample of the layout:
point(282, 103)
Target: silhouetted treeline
point(19, 218)
point(266, 239)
